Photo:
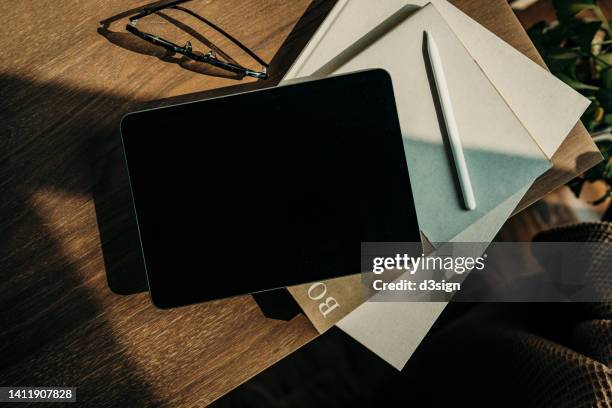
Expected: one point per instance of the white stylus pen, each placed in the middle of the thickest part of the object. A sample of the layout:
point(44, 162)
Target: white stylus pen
point(451, 126)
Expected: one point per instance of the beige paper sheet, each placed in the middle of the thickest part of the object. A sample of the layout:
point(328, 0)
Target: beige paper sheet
point(546, 106)
point(393, 332)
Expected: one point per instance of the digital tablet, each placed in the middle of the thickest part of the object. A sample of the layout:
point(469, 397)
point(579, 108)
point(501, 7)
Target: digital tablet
point(267, 189)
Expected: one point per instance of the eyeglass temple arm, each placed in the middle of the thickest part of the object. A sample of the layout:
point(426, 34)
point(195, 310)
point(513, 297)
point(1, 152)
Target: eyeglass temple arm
point(175, 4)
point(187, 51)
point(220, 30)
point(233, 68)
point(150, 10)
point(206, 58)
point(169, 45)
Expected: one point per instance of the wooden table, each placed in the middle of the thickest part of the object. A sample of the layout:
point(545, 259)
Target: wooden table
point(66, 218)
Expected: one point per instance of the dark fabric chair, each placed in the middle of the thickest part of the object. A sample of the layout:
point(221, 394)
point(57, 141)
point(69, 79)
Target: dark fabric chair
point(476, 355)
point(523, 354)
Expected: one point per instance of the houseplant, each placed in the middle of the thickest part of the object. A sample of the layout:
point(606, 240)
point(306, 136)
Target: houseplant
point(577, 48)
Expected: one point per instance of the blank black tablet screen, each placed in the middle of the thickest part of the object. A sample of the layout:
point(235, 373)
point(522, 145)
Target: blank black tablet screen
point(269, 188)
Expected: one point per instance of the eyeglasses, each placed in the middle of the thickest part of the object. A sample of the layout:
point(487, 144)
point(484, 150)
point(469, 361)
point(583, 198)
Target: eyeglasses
point(187, 50)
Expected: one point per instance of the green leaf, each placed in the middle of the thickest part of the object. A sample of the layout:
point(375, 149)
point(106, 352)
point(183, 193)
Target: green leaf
point(588, 117)
point(583, 34)
point(606, 78)
point(608, 171)
point(567, 9)
point(561, 54)
point(604, 60)
point(590, 110)
point(604, 96)
point(559, 59)
point(605, 147)
point(577, 84)
point(555, 35)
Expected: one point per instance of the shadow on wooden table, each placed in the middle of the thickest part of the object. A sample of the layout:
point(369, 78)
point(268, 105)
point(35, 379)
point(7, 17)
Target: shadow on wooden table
point(118, 231)
point(50, 266)
point(59, 147)
point(131, 42)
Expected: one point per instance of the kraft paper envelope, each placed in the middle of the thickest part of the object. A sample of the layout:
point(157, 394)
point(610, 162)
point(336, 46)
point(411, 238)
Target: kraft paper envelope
point(396, 339)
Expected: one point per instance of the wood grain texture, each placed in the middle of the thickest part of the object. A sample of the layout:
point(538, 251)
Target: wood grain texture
point(66, 205)
point(66, 220)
